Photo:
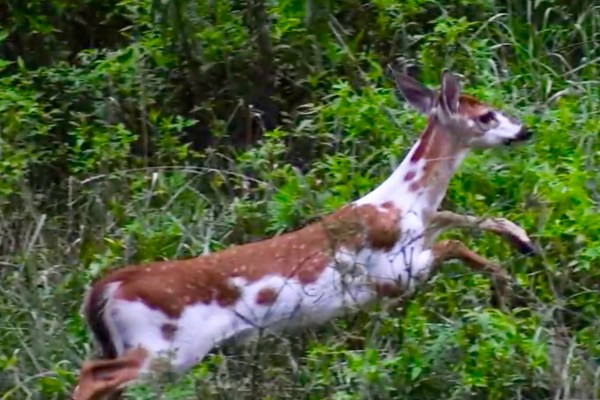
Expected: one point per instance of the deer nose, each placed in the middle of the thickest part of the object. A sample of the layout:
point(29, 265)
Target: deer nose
point(524, 134)
point(521, 136)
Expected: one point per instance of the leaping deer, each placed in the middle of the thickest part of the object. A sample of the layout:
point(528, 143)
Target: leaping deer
point(381, 245)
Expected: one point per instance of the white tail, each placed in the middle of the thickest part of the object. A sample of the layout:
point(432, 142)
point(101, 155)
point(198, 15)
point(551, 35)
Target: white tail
point(380, 245)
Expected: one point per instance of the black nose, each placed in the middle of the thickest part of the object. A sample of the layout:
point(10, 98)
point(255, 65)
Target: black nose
point(524, 134)
point(521, 136)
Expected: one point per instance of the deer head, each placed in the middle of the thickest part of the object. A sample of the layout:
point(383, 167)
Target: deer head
point(469, 122)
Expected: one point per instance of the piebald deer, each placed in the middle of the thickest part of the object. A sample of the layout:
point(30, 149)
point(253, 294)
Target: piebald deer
point(381, 245)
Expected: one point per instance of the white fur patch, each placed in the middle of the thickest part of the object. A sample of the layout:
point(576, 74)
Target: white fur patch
point(506, 129)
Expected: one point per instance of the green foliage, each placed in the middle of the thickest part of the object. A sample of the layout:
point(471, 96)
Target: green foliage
point(140, 130)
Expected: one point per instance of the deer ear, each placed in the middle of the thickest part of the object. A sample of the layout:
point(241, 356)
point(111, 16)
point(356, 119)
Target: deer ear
point(450, 92)
point(417, 95)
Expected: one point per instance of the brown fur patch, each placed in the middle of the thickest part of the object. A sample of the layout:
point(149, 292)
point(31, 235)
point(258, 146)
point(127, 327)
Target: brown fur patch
point(423, 142)
point(389, 205)
point(413, 187)
point(470, 106)
point(266, 296)
point(438, 153)
point(170, 286)
point(409, 176)
point(388, 289)
point(168, 331)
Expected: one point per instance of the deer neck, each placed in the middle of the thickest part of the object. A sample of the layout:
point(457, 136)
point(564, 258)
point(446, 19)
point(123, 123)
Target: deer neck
point(420, 182)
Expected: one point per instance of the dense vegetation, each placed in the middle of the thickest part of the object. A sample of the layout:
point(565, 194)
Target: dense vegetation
point(136, 130)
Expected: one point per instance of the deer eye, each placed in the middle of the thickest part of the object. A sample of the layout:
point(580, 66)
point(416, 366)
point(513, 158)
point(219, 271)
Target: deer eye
point(486, 118)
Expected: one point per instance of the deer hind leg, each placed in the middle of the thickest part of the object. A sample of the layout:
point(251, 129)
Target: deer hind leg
point(103, 379)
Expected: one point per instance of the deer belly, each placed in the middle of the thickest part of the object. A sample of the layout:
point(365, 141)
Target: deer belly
point(277, 303)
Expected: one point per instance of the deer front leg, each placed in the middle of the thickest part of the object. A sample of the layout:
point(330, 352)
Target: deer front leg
point(503, 227)
point(445, 250)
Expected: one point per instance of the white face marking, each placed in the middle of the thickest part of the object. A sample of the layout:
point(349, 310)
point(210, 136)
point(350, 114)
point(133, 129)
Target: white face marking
point(504, 130)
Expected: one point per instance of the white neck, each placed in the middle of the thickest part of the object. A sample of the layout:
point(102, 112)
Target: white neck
point(421, 180)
